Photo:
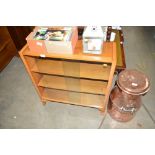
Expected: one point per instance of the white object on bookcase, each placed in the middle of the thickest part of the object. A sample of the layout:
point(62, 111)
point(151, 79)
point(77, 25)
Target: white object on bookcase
point(112, 37)
point(116, 27)
point(93, 38)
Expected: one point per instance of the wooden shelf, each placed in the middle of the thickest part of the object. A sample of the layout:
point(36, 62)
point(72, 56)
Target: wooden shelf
point(72, 84)
point(48, 66)
point(82, 99)
point(107, 54)
point(72, 69)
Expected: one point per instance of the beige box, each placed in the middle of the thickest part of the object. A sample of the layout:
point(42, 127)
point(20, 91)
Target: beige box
point(66, 47)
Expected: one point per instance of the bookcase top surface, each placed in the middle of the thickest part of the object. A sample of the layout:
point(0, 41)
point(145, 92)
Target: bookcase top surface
point(108, 53)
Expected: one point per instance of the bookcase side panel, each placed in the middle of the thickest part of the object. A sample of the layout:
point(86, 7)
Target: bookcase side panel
point(35, 77)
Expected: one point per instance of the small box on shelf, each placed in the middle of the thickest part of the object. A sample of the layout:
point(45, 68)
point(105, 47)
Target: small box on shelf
point(53, 39)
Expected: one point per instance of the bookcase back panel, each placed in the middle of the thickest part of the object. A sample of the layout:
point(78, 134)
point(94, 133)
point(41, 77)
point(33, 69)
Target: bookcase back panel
point(73, 69)
point(89, 100)
point(73, 84)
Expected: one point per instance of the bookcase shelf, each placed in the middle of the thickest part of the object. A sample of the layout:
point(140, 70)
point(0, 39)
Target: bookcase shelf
point(82, 99)
point(72, 69)
point(73, 84)
point(79, 79)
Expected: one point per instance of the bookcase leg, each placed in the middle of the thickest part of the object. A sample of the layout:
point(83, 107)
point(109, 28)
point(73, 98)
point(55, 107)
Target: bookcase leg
point(103, 110)
point(44, 102)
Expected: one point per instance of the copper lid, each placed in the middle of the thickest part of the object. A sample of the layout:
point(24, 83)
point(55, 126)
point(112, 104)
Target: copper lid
point(133, 82)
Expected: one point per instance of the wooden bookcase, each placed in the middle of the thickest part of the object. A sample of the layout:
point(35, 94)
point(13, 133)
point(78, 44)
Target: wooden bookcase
point(80, 79)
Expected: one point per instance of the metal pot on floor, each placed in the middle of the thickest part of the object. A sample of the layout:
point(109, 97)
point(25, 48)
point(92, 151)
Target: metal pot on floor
point(125, 98)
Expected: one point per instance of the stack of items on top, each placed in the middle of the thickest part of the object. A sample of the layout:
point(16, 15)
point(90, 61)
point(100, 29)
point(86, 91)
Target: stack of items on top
point(53, 39)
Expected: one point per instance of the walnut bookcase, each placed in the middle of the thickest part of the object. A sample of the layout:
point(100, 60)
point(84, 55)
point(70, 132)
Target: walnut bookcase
point(80, 79)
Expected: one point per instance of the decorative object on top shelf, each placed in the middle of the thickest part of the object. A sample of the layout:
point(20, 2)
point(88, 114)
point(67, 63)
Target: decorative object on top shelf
point(93, 38)
point(125, 98)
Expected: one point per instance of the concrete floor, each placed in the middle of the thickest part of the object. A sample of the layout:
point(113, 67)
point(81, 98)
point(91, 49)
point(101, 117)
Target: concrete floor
point(20, 106)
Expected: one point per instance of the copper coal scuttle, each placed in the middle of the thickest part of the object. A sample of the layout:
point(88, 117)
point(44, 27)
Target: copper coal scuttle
point(125, 98)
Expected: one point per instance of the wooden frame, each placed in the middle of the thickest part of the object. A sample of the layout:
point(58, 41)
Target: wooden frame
point(80, 79)
point(119, 39)
point(7, 47)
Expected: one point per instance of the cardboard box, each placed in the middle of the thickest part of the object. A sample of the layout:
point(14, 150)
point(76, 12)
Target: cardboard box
point(66, 47)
